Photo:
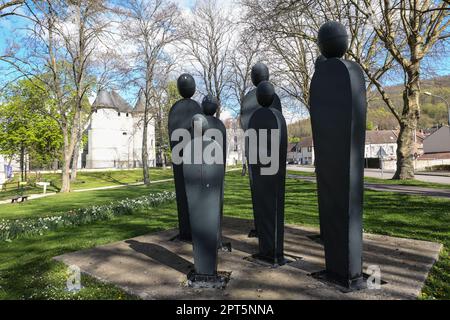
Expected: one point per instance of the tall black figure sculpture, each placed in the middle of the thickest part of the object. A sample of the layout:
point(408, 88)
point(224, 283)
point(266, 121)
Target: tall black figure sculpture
point(210, 106)
point(180, 117)
point(204, 189)
point(250, 104)
point(338, 117)
point(269, 178)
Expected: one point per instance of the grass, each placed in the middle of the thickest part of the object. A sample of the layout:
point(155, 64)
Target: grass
point(28, 271)
point(85, 180)
point(65, 202)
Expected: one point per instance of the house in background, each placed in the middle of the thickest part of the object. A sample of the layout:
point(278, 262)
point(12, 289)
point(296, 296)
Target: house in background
point(301, 152)
point(436, 149)
point(234, 142)
point(381, 145)
point(115, 134)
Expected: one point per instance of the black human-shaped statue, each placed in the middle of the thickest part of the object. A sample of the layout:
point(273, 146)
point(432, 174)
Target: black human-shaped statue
point(204, 189)
point(338, 116)
point(269, 185)
point(250, 104)
point(180, 117)
point(210, 106)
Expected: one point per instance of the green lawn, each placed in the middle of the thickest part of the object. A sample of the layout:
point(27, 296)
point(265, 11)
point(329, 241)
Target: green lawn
point(85, 180)
point(60, 203)
point(27, 270)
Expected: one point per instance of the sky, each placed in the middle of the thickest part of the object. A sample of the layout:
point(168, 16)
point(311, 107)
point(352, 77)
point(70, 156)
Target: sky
point(11, 26)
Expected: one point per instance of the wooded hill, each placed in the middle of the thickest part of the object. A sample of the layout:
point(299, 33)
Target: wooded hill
point(433, 110)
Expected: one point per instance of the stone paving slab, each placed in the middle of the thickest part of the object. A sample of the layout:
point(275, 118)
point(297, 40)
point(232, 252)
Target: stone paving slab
point(155, 267)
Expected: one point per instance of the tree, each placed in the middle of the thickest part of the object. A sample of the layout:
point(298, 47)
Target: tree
point(167, 98)
point(9, 8)
point(246, 55)
point(60, 42)
point(208, 40)
point(148, 27)
point(409, 30)
point(25, 130)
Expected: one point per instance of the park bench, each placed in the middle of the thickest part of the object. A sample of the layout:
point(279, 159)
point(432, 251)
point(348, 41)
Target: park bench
point(16, 199)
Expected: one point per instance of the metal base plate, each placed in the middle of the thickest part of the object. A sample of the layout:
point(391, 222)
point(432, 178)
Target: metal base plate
point(268, 262)
point(177, 238)
point(225, 247)
point(218, 281)
point(253, 234)
point(344, 285)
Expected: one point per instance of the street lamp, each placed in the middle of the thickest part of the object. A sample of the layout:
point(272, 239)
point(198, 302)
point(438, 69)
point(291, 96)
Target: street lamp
point(427, 93)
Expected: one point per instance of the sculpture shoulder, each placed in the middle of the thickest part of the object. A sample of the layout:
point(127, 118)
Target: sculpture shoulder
point(187, 105)
point(263, 118)
point(215, 123)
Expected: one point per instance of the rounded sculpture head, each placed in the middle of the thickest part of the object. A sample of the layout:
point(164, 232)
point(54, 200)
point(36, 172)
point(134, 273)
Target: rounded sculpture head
point(210, 105)
point(332, 40)
point(260, 73)
point(319, 59)
point(186, 85)
point(200, 120)
point(265, 93)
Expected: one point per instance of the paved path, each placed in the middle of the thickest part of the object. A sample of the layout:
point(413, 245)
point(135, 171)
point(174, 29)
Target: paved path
point(419, 191)
point(376, 173)
point(155, 267)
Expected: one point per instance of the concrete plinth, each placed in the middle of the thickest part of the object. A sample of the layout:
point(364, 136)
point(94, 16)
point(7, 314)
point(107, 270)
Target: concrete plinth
point(155, 267)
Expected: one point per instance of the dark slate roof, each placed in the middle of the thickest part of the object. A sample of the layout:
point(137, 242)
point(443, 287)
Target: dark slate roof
point(306, 142)
point(120, 103)
point(381, 136)
point(140, 104)
point(111, 100)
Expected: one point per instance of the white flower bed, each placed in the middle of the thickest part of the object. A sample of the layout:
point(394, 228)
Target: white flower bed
point(13, 229)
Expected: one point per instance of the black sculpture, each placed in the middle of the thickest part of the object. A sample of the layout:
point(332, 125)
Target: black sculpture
point(250, 104)
point(204, 189)
point(268, 189)
point(338, 117)
point(210, 106)
point(180, 117)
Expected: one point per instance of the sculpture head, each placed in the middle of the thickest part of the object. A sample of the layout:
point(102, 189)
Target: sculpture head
point(319, 59)
point(265, 94)
point(200, 120)
point(186, 85)
point(260, 73)
point(332, 40)
point(210, 105)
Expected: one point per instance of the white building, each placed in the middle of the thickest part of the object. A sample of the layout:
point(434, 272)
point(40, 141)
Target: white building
point(438, 141)
point(301, 152)
point(378, 143)
point(437, 149)
point(234, 142)
point(115, 134)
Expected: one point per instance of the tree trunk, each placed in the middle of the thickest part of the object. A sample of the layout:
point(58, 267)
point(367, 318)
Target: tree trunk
point(66, 160)
point(65, 174)
point(76, 156)
point(408, 124)
point(145, 169)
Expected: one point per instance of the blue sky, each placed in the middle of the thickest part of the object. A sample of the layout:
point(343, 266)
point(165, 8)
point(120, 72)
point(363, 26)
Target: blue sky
point(9, 27)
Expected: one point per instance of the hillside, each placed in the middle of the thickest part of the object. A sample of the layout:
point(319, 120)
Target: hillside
point(433, 110)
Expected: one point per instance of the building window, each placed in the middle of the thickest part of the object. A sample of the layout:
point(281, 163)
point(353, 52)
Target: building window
point(118, 113)
point(124, 133)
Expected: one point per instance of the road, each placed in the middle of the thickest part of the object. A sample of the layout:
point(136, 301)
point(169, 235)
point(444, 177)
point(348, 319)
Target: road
point(376, 173)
